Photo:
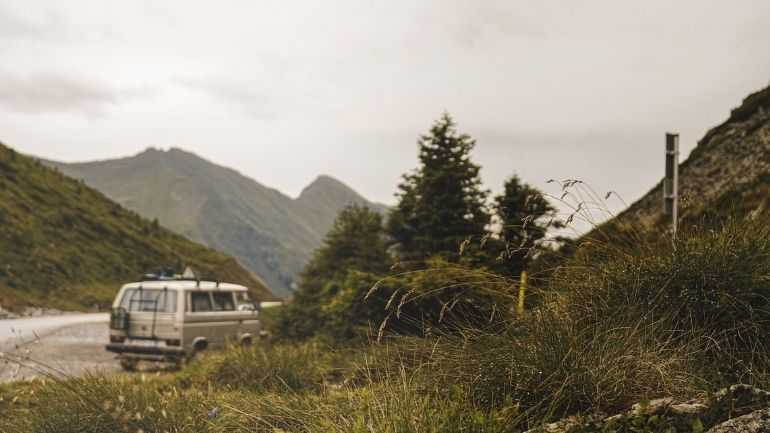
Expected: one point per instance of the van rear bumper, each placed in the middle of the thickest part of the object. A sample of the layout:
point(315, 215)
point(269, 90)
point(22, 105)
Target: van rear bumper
point(151, 351)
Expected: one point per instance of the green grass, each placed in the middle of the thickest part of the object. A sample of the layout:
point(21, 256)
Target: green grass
point(612, 327)
point(277, 368)
point(303, 388)
point(64, 244)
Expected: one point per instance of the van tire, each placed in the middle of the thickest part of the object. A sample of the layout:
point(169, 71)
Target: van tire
point(128, 364)
point(180, 362)
point(200, 346)
point(246, 342)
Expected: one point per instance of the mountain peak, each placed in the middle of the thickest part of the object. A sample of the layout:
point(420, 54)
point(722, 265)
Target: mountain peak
point(325, 183)
point(150, 151)
point(331, 193)
point(154, 152)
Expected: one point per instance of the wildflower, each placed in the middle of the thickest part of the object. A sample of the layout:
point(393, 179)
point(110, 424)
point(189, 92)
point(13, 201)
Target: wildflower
point(213, 413)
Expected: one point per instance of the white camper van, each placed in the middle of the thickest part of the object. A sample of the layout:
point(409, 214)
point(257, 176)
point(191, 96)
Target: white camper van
point(170, 319)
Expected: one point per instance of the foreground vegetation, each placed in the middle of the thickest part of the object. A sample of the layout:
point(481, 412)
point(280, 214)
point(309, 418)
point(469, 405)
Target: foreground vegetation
point(612, 327)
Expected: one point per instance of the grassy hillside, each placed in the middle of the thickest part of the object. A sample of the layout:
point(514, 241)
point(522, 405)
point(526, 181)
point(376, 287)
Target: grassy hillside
point(727, 173)
point(272, 234)
point(65, 244)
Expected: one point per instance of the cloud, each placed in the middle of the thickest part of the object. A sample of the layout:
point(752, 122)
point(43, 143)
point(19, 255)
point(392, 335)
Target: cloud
point(48, 25)
point(12, 26)
point(50, 93)
point(255, 103)
point(468, 22)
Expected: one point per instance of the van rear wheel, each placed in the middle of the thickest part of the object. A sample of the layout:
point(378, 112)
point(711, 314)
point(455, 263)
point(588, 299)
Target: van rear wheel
point(128, 364)
point(180, 362)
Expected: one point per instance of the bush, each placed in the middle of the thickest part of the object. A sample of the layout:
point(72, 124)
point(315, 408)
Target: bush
point(713, 283)
point(550, 367)
point(444, 298)
point(278, 368)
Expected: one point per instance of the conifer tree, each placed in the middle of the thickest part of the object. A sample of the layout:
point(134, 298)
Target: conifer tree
point(355, 241)
point(328, 294)
point(441, 204)
point(525, 215)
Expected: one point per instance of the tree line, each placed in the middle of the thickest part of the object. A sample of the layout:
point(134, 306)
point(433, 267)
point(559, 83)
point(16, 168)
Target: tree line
point(419, 268)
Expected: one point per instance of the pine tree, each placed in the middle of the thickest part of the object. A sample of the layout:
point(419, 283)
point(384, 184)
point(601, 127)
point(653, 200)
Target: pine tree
point(442, 203)
point(330, 297)
point(355, 241)
point(525, 215)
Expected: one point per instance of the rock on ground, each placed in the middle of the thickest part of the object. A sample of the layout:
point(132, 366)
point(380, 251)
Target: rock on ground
point(739, 408)
point(755, 422)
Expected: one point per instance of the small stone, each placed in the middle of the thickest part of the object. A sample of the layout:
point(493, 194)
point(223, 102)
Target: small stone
point(653, 407)
point(693, 408)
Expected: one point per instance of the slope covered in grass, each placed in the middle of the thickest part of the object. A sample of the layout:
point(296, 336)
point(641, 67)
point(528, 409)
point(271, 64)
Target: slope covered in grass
point(65, 244)
point(727, 173)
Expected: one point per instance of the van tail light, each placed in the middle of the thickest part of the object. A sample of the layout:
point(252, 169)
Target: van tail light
point(173, 343)
point(119, 319)
point(117, 338)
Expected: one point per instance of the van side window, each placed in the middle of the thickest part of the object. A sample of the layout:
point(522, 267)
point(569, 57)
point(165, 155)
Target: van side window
point(200, 301)
point(223, 301)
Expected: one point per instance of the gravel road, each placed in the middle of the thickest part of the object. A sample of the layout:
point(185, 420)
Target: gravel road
point(68, 345)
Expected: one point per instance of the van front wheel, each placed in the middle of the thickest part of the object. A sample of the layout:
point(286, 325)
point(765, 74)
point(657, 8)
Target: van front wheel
point(198, 346)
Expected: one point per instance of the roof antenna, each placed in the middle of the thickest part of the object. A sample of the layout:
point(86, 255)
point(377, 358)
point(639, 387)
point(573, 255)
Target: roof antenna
point(188, 274)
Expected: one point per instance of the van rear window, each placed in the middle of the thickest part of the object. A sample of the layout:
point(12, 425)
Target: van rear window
point(149, 300)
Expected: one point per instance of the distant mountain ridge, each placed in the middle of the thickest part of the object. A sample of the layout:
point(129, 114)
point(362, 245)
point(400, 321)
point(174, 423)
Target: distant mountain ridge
point(65, 244)
point(269, 232)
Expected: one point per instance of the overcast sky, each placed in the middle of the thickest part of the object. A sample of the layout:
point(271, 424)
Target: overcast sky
point(286, 90)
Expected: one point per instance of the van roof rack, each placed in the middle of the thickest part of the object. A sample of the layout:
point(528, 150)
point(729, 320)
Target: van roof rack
point(167, 275)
